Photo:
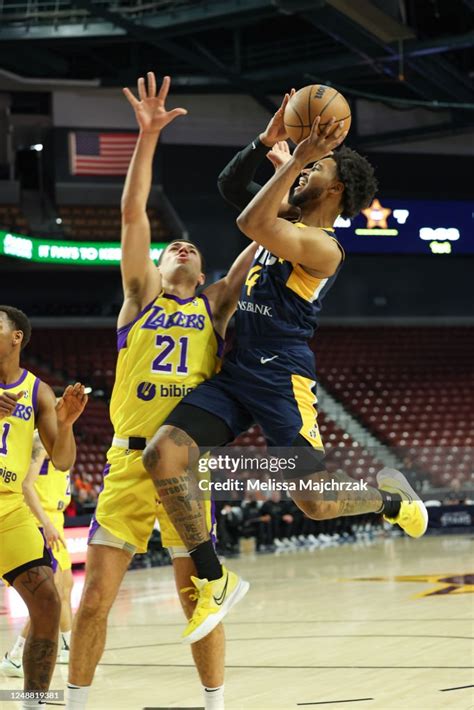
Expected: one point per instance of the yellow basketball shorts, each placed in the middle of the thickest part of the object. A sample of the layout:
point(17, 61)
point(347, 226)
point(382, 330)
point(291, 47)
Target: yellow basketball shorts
point(21, 543)
point(128, 505)
point(61, 556)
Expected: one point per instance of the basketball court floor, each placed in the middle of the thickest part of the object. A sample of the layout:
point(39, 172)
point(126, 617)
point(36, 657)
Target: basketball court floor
point(386, 624)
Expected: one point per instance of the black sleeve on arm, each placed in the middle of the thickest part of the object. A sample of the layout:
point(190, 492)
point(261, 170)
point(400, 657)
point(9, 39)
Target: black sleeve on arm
point(235, 182)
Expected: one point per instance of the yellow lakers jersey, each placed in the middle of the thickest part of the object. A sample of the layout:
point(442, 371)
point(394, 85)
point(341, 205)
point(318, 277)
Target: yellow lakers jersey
point(16, 441)
point(53, 489)
point(169, 349)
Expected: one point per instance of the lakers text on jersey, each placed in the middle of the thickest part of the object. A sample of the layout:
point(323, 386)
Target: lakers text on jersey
point(163, 354)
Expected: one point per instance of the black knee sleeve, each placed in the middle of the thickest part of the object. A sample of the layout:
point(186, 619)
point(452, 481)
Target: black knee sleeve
point(205, 428)
point(310, 460)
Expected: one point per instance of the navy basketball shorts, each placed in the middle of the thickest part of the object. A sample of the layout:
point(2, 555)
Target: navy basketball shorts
point(275, 389)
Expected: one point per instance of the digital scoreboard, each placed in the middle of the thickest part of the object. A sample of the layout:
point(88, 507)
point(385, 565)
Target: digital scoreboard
point(409, 227)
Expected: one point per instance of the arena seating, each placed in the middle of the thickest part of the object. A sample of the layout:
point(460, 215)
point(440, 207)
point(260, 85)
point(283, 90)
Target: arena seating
point(86, 353)
point(102, 223)
point(413, 387)
point(95, 433)
point(60, 357)
point(12, 218)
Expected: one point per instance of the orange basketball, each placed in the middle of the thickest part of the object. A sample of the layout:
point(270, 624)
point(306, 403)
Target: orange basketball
point(310, 102)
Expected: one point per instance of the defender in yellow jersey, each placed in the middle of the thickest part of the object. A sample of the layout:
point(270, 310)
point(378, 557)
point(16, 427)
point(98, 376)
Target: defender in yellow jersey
point(47, 493)
point(169, 340)
point(168, 349)
point(27, 403)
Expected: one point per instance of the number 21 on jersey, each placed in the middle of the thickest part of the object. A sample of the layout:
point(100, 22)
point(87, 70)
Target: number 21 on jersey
point(172, 355)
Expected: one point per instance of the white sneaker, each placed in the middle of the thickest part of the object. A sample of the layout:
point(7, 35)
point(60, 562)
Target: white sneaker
point(63, 656)
point(12, 667)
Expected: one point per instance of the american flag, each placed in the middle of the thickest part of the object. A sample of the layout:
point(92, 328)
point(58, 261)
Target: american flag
point(95, 153)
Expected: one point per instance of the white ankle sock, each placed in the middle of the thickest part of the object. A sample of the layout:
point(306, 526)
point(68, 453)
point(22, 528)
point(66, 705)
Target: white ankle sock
point(32, 705)
point(17, 650)
point(76, 697)
point(214, 698)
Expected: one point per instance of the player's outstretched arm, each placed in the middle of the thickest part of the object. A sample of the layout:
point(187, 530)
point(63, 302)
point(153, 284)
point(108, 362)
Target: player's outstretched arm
point(236, 182)
point(140, 278)
point(55, 422)
point(224, 294)
point(260, 221)
point(38, 455)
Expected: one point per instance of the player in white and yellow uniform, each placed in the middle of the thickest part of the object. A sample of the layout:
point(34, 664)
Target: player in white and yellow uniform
point(47, 493)
point(169, 340)
point(27, 403)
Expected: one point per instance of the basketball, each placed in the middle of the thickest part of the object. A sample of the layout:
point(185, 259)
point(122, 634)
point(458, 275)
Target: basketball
point(310, 102)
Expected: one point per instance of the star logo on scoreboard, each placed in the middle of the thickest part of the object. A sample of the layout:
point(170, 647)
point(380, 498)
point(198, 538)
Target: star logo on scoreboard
point(376, 215)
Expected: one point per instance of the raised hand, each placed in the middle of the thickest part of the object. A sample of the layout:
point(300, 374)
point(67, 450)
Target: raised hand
point(71, 405)
point(150, 110)
point(276, 131)
point(279, 154)
point(319, 145)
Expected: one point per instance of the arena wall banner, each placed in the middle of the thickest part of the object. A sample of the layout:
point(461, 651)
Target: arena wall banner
point(66, 252)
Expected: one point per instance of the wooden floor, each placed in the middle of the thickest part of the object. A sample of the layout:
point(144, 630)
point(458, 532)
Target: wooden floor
point(360, 625)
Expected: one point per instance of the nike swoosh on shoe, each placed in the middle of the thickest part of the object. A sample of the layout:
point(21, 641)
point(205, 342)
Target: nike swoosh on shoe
point(221, 596)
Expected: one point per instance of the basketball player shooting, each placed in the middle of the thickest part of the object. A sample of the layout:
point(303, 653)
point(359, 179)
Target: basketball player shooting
point(169, 340)
point(269, 376)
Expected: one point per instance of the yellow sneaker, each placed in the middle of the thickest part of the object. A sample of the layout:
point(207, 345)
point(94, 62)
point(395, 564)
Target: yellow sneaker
point(214, 600)
point(413, 515)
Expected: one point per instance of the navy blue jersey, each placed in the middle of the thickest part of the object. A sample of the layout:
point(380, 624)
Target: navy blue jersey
point(279, 301)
